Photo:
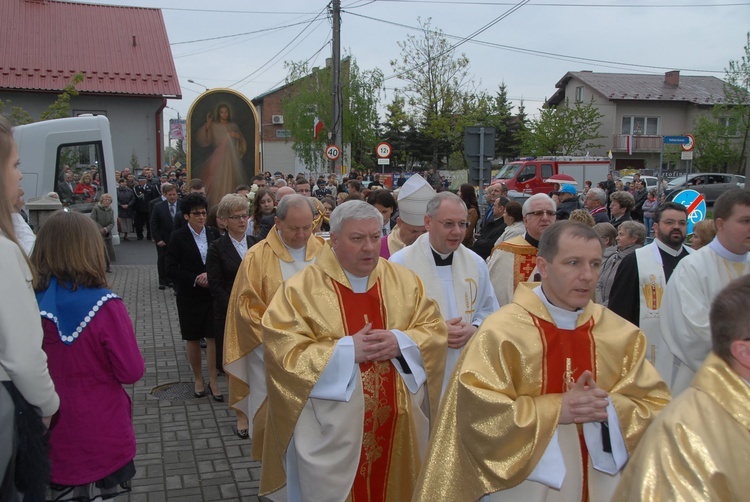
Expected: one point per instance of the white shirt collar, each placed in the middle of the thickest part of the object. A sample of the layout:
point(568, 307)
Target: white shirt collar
point(667, 249)
point(719, 249)
point(564, 319)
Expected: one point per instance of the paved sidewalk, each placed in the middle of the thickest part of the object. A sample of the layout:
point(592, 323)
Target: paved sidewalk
point(186, 449)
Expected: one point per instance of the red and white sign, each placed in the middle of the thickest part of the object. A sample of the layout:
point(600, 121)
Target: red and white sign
point(383, 150)
point(333, 152)
point(688, 147)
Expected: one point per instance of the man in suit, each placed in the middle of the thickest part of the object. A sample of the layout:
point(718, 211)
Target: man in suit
point(65, 189)
point(186, 267)
point(144, 193)
point(163, 216)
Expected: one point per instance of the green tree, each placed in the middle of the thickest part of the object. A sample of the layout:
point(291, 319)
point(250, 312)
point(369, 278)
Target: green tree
point(737, 99)
point(715, 149)
point(436, 79)
point(309, 96)
point(563, 130)
point(175, 154)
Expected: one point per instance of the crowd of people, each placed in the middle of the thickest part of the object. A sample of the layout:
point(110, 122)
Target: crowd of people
point(401, 344)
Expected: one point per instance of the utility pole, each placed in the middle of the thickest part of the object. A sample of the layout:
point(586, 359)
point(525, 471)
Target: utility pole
point(337, 122)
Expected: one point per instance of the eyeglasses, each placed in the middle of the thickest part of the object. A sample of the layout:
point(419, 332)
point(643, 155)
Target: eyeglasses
point(198, 213)
point(448, 225)
point(539, 214)
point(238, 217)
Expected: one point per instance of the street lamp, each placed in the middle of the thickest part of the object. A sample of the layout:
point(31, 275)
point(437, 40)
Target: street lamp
point(196, 83)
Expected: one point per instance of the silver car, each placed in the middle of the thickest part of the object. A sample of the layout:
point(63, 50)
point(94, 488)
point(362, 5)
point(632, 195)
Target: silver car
point(711, 185)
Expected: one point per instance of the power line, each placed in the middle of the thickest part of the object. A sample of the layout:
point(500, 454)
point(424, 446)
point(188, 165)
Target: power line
point(240, 34)
point(601, 6)
point(563, 57)
point(462, 40)
point(281, 50)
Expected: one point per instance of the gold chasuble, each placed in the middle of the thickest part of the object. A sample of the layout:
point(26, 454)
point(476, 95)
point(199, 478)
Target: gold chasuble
point(501, 409)
point(371, 446)
point(258, 279)
point(698, 448)
point(524, 258)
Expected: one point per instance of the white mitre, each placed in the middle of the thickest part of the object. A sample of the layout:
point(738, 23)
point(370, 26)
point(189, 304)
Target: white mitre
point(412, 200)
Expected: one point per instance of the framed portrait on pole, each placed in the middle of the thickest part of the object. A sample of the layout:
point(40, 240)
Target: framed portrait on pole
point(223, 141)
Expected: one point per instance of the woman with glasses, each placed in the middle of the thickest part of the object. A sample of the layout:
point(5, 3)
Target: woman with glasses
point(223, 261)
point(186, 268)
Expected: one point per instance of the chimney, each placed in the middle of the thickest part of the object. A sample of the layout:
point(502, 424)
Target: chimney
point(672, 78)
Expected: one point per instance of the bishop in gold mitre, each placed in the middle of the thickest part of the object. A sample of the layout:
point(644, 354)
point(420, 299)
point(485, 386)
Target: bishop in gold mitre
point(551, 396)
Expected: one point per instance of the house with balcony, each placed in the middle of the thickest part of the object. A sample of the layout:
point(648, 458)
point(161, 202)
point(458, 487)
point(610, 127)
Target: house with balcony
point(640, 109)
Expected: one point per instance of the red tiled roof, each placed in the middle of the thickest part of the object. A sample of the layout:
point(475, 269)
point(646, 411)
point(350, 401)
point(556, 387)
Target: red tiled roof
point(119, 50)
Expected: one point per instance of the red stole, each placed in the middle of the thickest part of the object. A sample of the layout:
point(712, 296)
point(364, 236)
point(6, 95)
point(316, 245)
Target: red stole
point(566, 354)
point(379, 389)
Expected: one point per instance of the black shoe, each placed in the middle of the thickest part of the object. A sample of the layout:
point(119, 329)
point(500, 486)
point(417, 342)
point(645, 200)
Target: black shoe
point(109, 270)
point(162, 286)
point(200, 394)
point(219, 398)
point(242, 433)
point(203, 343)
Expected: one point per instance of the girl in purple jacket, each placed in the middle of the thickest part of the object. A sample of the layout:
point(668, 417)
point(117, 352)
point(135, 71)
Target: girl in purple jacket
point(92, 352)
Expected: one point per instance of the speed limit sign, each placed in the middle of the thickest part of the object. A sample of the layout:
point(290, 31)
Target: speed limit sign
point(383, 150)
point(333, 152)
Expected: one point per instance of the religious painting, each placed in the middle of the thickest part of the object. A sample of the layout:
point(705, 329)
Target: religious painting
point(223, 141)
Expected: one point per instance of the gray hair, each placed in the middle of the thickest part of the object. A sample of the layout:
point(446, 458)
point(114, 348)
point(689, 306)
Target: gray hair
point(230, 203)
point(353, 210)
point(293, 200)
point(434, 204)
point(526, 209)
point(634, 229)
point(600, 195)
point(280, 182)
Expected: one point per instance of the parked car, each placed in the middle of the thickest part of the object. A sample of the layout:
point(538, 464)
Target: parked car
point(651, 181)
point(711, 185)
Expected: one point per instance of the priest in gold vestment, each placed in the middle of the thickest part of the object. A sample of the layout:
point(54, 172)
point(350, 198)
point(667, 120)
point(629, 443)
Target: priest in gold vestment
point(354, 354)
point(552, 394)
point(514, 261)
point(288, 248)
point(699, 446)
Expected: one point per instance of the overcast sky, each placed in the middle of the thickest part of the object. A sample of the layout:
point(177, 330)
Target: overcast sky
point(243, 44)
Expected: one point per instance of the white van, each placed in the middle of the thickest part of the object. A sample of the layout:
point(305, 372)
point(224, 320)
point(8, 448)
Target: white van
point(84, 144)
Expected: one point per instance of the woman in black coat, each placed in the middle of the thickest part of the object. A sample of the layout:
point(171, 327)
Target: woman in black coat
point(186, 268)
point(224, 259)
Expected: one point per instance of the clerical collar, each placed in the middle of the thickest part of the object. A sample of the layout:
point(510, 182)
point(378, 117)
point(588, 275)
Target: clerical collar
point(359, 284)
point(564, 319)
point(531, 240)
point(442, 260)
point(667, 249)
point(720, 250)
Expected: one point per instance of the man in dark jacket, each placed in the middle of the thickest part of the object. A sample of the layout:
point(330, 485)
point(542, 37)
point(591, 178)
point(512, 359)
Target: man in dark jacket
point(492, 229)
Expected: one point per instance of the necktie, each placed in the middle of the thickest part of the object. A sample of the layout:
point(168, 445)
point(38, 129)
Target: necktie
point(171, 210)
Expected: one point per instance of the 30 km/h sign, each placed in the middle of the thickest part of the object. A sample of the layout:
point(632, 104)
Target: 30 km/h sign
point(383, 150)
point(333, 152)
point(696, 207)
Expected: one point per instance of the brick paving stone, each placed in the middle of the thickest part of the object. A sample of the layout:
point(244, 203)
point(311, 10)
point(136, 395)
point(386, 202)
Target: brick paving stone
point(187, 451)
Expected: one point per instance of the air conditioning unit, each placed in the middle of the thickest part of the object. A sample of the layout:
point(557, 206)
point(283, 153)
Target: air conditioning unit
point(277, 119)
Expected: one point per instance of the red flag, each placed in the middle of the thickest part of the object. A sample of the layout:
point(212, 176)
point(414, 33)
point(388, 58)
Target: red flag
point(629, 139)
point(317, 127)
